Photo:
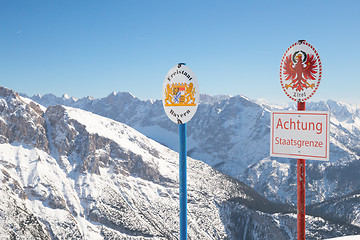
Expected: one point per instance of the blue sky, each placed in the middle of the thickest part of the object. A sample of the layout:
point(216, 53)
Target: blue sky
point(92, 48)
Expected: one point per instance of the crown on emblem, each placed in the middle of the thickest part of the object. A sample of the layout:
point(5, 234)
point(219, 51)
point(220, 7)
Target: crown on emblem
point(179, 84)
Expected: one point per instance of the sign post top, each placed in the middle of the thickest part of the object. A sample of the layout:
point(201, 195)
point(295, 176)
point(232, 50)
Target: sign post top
point(300, 71)
point(180, 94)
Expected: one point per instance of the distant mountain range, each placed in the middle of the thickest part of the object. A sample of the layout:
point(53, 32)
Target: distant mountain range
point(68, 173)
point(232, 135)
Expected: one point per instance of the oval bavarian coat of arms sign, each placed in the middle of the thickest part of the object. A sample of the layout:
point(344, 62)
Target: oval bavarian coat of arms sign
point(180, 94)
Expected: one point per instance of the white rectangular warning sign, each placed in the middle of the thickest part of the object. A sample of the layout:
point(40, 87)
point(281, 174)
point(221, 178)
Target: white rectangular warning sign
point(300, 134)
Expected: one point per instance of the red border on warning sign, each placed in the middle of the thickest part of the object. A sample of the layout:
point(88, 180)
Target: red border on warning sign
point(293, 155)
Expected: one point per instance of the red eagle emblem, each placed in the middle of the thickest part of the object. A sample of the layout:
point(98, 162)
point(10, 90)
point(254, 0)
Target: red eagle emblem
point(300, 67)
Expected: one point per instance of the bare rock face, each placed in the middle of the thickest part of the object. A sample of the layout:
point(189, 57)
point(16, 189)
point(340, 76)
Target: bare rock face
point(21, 122)
point(72, 141)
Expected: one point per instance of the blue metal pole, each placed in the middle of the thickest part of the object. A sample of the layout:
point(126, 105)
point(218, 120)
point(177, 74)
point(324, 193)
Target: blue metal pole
point(183, 184)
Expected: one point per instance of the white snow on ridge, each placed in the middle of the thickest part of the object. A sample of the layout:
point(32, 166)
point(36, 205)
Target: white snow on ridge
point(28, 101)
point(116, 131)
point(127, 138)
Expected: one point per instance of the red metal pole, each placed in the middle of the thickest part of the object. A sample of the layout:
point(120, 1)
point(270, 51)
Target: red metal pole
point(301, 191)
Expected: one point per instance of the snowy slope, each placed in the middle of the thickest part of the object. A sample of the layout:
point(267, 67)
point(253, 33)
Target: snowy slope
point(97, 178)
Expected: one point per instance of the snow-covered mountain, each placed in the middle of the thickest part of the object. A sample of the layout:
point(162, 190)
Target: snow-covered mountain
point(232, 135)
point(66, 173)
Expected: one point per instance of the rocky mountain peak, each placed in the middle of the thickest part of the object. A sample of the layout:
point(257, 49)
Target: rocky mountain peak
point(21, 122)
point(73, 141)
